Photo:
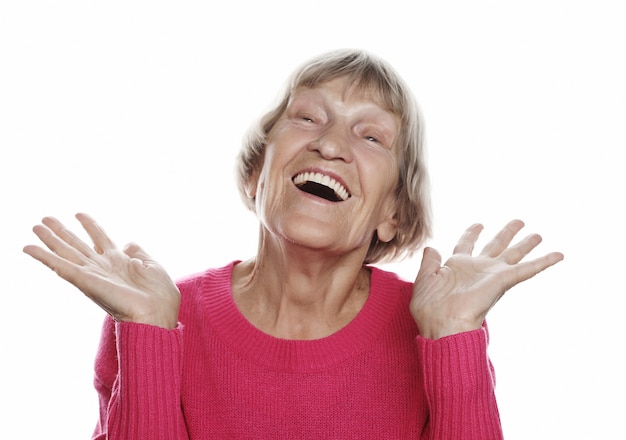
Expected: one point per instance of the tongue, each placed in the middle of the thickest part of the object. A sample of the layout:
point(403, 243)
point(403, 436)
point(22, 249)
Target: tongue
point(319, 190)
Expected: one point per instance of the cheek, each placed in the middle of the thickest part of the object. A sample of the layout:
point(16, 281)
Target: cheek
point(382, 171)
point(394, 171)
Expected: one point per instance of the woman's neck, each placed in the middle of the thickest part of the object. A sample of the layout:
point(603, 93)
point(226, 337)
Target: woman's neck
point(295, 294)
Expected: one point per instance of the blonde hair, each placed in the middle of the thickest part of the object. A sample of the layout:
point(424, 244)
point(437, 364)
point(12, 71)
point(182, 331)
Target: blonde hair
point(413, 212)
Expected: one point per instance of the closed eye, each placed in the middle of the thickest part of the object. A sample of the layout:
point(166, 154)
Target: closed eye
point(304, 117)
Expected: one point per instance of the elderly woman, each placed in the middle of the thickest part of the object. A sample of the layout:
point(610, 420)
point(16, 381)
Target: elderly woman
point(307, 340)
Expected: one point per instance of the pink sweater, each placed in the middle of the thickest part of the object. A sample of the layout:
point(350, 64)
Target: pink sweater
point(217, 377)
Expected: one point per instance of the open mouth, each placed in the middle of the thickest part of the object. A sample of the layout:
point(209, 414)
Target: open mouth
point(321, 185)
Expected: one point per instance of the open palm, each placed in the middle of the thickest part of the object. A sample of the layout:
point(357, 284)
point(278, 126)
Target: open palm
point(456, 296)
point(128, 284)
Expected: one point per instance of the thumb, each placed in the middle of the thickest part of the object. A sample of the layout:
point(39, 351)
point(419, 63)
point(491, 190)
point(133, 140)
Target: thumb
point(431, 262)
point(134, 251)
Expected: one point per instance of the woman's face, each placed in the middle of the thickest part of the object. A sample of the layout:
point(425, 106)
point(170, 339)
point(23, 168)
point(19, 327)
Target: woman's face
point(330, 169)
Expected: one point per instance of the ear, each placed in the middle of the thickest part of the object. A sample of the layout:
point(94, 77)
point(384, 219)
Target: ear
point(388, 228)
point(251, 184)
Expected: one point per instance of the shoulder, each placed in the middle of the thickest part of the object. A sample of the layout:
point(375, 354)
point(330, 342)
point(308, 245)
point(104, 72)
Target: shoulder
point(389, 281)
point(390, 297)
point(215, 276)
point(390, 292)
point(205, 288)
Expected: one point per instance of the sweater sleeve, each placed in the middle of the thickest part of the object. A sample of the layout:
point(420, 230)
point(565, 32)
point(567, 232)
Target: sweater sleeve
point(138, 374)
point(459, 383)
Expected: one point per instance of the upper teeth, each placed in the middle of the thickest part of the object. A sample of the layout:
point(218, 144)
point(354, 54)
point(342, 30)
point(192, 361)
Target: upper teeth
point(325, 180)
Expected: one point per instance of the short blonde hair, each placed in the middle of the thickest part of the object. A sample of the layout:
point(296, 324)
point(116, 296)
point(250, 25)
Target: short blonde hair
point(413, 211)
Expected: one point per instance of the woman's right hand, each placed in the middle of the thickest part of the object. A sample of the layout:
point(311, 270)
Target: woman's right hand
point(128, 284)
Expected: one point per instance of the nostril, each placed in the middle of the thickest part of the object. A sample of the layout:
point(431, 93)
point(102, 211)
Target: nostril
point(333, 146)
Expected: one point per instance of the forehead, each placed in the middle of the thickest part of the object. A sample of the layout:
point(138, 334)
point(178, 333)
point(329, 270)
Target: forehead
point(345, 91)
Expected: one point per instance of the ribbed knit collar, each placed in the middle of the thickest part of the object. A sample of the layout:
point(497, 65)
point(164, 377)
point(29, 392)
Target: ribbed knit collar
point(300, 355)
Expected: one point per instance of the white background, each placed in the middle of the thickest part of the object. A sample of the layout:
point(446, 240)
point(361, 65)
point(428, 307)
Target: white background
point(133, 112)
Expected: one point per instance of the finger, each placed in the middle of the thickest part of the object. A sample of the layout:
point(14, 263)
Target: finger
point(70, 272)
point(67, 236)
point(523, 271)
point(37, 253)
point(431, 262)
point(516, 253)
point(56, 245)
point(502, 240)
point(60, 265)
point(466, 243)
point(87, 282)
point(134, 251)
point(101, 240)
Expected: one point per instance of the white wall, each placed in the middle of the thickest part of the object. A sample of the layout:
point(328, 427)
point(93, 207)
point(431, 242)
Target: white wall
point(133, 111)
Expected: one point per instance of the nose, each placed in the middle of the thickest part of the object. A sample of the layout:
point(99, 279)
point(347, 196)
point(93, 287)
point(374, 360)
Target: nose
point(333, 143)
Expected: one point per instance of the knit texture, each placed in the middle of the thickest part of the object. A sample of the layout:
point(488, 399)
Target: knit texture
point(218, 377)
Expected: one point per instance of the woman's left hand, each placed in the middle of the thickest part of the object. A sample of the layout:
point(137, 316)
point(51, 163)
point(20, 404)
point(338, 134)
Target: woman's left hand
point(457, 296)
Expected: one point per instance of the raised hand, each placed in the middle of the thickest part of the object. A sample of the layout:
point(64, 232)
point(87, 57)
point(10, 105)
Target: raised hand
point(127, 284)
point(457, 296)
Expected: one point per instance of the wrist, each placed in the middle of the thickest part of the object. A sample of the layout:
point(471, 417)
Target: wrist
point(444, 328)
